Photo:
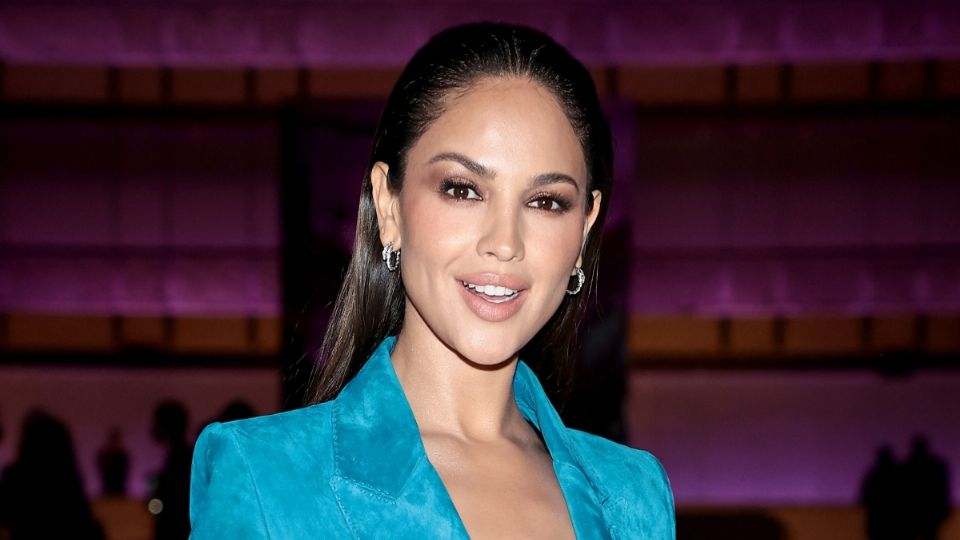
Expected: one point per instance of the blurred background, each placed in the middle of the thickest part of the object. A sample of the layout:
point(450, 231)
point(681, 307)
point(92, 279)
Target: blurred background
point(779, 306)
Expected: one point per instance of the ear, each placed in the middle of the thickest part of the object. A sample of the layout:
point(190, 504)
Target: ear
point(387, 204)
point(589, 221)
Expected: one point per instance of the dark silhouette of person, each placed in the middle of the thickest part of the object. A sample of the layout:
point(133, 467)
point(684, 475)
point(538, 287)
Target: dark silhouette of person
point(928, 490)
point(41, 493)
point(235, 410)
point(883, 497)
point(113, 463)
point(171, 494)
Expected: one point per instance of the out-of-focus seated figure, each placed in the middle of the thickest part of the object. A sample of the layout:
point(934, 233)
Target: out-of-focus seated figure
point(171, 494)
point(882, 495)
point(928, 488)
point(113, 464)
point(41, 493)
point(121, 517)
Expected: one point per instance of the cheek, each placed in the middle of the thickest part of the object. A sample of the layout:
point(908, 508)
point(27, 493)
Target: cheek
point(432, 229)
point(553, 247)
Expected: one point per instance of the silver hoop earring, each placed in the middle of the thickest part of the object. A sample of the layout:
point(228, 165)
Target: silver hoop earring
point(580, 279)
point(391, 257)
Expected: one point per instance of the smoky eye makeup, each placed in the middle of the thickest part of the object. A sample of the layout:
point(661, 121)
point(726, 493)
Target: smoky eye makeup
point(548, 190)
point(550, 202)
point(459, 189)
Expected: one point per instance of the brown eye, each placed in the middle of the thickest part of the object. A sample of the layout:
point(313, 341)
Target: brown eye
point(461, 192)
point(546, 203)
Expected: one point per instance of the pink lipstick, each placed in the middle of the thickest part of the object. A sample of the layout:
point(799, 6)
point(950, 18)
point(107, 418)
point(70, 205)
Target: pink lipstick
point(493, 297)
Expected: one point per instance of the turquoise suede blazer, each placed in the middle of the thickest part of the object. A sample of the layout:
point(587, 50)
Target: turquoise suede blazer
point(355, 467)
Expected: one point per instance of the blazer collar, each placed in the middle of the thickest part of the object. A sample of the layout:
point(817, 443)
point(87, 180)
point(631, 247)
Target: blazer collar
point(378, 449)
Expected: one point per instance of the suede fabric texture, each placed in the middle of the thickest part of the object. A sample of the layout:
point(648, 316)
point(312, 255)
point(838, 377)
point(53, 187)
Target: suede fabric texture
point(355, 467)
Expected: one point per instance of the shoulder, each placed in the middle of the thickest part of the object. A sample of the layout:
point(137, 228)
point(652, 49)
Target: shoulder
point(634, 481)
point(252, 477)
point(282, 423)
point(637, 467)
point(270, 437)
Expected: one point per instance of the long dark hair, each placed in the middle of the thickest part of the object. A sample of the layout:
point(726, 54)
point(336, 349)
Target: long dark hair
point(370, 305)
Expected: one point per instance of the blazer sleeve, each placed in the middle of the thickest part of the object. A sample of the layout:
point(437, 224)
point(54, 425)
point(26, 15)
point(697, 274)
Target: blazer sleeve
point(663, 510)
point(640, 503)
point(224, 499)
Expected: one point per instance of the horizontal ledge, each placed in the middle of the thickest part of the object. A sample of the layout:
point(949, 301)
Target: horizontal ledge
point(709, 84)
point(138, 358)
point(898, 364)
point(158, 250)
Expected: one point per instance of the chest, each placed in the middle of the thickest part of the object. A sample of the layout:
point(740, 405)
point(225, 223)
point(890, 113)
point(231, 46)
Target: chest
point(506, 496)
point(468, 505)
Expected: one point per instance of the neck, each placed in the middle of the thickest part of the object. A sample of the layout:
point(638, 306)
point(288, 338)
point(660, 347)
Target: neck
point(450, 395)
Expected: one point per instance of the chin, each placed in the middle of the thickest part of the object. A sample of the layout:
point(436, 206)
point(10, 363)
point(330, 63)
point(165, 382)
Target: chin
point(487, 350)
point(482, 344)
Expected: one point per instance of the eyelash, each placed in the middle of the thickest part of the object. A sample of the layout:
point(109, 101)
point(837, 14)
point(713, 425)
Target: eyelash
point(450, 184)
point(561, 202)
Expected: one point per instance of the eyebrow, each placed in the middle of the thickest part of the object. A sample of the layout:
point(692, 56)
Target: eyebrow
point(480, 170)
point(468, 163)
point(555, 178)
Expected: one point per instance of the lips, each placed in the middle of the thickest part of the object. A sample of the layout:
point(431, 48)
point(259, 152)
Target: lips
point(493, 297)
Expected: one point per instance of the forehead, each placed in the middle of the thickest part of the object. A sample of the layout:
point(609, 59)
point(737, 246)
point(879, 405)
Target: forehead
point(508, 124)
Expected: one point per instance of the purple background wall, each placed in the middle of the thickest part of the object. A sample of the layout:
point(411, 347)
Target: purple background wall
point(782, 438)
point(771, 214)
point(139, 217)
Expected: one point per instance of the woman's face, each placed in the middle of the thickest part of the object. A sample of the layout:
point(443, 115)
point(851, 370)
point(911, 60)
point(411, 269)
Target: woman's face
point(491, 219)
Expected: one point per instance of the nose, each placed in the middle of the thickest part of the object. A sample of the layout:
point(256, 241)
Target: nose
point(502, 236)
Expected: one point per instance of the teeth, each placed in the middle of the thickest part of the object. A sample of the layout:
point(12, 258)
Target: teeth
point(490, 290)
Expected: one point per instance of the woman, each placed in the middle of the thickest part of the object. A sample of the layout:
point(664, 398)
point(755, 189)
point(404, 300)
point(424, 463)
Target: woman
point(489, 173)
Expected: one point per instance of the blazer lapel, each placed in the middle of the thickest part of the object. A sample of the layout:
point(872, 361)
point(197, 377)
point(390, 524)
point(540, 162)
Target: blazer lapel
point(383, 482)
point(585, 497)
